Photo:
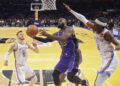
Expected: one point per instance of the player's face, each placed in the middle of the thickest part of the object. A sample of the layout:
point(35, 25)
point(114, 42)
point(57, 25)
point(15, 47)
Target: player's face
point(61, 23)
point(21, 36)
point(99, 28)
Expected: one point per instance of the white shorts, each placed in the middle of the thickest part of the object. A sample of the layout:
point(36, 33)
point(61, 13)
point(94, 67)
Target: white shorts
point(24, 73)
point(109, 63)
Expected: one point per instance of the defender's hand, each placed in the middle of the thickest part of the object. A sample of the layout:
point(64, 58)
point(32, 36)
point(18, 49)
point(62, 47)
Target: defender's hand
point(67, 7)
point(34, 43)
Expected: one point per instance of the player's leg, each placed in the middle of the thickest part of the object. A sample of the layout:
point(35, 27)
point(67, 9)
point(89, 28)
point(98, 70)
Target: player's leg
point(20, 75)
point(108, 67)
point(72, 77)
point(62, 77)
point(101, 78)
point(73, 72)
point(56, 77)
point(58, 74)
point(30, 75)
point(33, 80)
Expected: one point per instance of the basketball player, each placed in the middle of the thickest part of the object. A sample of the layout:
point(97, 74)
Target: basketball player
point(104, 40)
point(19, 49)
point(70, 56)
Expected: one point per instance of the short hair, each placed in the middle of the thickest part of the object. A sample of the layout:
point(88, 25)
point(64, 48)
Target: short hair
point(19, 32)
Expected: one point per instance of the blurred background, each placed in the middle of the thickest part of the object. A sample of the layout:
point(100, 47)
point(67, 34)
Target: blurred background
point(16, 15)
point(17, 12)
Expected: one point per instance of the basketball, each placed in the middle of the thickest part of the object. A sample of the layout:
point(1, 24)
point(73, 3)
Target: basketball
point(32, 30)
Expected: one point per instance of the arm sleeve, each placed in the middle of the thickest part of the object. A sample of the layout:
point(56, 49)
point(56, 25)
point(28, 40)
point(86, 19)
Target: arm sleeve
point(79, 16)
point(45, 40)
point(3, 40)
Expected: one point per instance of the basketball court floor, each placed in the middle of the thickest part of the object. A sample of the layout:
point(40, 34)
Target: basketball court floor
point(43, 63)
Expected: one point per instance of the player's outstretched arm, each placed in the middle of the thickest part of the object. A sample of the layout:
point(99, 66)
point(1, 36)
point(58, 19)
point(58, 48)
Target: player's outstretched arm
point(45, 40)
point(33, 46)
point(63, 37)
point(80, 17)
point(109, 37)
point(7, 40)
point(7, 55)
point(77, 15)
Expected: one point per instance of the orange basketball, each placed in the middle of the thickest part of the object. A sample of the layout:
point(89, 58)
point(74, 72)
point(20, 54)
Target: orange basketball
point(32, 30)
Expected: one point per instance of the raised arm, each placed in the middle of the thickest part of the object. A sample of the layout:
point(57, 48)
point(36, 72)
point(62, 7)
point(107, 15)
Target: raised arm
point(7, 40)
point(45, 40)
point(80, 17)
point(7, 55)
point(33, 46)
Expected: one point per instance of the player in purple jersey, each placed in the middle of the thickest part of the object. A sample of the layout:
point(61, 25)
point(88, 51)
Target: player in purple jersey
point(71, 55)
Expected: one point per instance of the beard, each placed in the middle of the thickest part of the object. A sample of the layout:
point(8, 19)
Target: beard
point(61, 26)
point(22, 38)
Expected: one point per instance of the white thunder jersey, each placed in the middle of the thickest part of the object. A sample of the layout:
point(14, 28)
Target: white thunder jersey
point(21, 54)
point(109, 61)
point(102, 44)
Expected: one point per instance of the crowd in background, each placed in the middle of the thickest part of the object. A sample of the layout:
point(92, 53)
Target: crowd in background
point(49, 21)
point(45, 22)
point(17, 13)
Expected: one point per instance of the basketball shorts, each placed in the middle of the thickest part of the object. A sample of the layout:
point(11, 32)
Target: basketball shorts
point(24, 73)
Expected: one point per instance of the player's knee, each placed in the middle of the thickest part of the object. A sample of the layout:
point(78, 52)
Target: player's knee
point(70, 77)
point(56, 75)
point(35, 79)
point(73, 78)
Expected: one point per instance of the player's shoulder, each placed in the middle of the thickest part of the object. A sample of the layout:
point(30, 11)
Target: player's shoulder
point(106, 31)
point(14, 46)
point(108, 35)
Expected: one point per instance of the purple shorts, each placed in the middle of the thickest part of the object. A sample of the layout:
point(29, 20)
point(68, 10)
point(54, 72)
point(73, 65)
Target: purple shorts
point(68, 62)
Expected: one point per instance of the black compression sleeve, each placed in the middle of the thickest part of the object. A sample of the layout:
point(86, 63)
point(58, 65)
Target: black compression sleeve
point(3, 40)
point(45, 40)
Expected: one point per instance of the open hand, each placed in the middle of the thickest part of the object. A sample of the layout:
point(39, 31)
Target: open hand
point(67, 6)
point(43, 32)
point(34, 43)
